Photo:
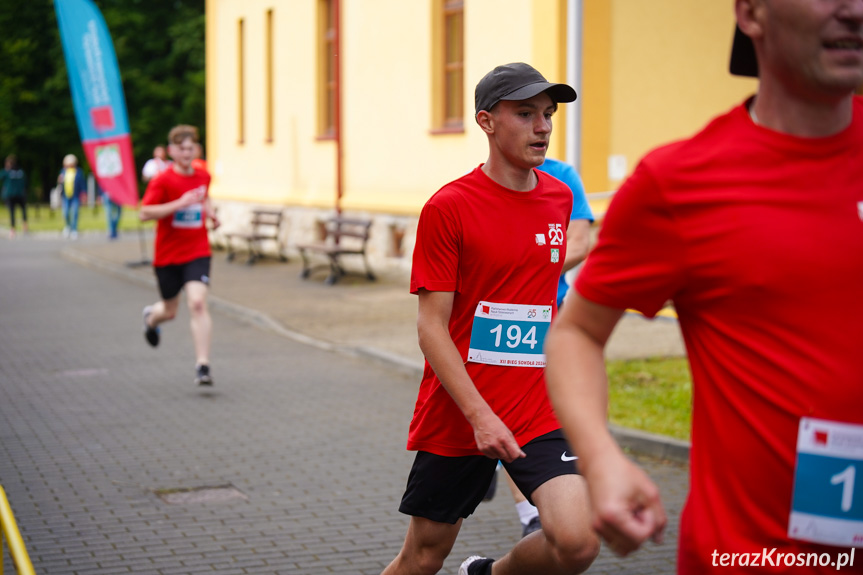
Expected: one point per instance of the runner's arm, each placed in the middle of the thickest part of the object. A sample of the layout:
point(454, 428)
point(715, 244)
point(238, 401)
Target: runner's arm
point(492, 436)
point(625, 502)
point(211, 213)
point(159, 211)
point(577, 243)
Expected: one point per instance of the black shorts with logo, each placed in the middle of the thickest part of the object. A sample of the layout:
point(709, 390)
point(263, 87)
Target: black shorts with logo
point(172, 278)
point(444, 489)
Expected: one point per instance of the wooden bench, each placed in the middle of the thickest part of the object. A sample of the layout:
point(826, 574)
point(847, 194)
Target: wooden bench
point(343, 236)
point(265, 225)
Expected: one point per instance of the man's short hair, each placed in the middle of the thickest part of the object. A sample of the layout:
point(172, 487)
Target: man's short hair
point(178, 134)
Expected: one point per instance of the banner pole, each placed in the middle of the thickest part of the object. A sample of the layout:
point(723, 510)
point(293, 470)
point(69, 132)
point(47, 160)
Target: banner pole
point(145, 260)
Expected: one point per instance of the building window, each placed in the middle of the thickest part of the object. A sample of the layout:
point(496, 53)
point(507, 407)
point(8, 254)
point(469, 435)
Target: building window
point(453, 64)
point(327, 81)
point(448, 65)
point(268, 129)
point(241, 81)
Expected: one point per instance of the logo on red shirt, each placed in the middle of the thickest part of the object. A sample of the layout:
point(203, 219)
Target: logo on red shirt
point(820, 437)
point(486, 309)
point(555, 234)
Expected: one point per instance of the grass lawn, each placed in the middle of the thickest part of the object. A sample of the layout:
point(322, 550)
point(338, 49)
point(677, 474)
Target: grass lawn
point(42, 219)
point(653, 395)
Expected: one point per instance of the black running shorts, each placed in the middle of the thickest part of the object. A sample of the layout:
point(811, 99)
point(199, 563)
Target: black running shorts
point(172, 278)
point(444, 489)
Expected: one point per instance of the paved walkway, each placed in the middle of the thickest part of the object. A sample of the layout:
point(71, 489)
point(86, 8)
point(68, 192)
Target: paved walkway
point(305, 445)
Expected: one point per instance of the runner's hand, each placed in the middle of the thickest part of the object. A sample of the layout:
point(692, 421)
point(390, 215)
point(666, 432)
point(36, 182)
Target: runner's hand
point(495, 440)
point(626, 506)
point(190, 198)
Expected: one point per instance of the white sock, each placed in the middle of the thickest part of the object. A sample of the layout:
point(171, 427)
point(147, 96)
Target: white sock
point(526, 511)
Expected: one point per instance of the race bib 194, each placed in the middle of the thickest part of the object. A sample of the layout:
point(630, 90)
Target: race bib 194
point(509, 334)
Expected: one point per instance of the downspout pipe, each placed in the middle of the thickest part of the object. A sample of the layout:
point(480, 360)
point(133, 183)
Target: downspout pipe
point(338, 106)
point(575, 54)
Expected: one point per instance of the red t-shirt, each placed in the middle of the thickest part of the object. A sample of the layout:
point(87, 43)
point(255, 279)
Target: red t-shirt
point(488, 243)
point(757, 237)
point(182, 236)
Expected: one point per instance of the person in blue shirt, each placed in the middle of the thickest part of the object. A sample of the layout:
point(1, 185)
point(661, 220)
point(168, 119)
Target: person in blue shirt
point(581, 218)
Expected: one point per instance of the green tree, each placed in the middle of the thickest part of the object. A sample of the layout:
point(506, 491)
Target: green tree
point(160, 51)
point(36, 117)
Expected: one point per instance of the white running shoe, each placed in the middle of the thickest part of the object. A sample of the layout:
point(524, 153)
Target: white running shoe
point(463, 570)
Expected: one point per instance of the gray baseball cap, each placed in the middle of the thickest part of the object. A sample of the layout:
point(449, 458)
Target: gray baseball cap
point(517, 81)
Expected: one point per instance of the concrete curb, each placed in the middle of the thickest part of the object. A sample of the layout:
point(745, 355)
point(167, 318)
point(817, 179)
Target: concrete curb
point(651, 444)
point(637, 441)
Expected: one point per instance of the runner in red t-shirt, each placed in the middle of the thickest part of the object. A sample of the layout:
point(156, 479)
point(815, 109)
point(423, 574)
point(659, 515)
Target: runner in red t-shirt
point(178, 199)
point(754, 228)
point(490, 249)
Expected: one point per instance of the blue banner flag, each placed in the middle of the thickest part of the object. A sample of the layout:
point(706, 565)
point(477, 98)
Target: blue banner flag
point(97, 95)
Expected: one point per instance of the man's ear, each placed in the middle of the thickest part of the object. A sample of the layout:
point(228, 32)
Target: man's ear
point(748, 17)
point(485, 121)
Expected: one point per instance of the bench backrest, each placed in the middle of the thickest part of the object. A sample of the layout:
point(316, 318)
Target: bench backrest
point(338, 228)
point(266, 218)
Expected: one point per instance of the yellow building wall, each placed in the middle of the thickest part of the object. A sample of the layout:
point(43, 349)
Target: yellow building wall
point(652, 71)
point(595, 95)
point(668, 72)
point(391, 161)
point(294, 168)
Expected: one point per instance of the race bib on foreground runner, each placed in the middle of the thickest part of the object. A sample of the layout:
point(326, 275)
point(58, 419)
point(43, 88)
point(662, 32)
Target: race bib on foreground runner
point(827, 505)
point(509, 334)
